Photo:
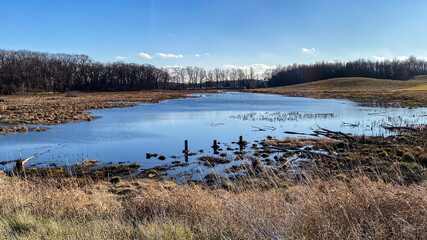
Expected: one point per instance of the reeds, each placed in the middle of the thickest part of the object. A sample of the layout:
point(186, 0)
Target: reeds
point(358, 208)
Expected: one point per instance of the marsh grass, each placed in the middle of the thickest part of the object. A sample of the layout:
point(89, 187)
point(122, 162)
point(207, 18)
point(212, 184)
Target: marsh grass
point(418, 88)
point(353, 208)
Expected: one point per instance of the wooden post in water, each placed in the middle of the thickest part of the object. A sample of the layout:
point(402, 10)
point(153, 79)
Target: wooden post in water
point(185, 147)
point(185, 151)
point(241, 143)
point(215, 147)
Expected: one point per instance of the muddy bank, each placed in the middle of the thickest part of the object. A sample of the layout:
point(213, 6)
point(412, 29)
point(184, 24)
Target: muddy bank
point(4, 130)
point(58, 108)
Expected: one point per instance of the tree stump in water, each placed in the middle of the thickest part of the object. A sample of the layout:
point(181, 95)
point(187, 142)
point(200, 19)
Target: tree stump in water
point(19, 166)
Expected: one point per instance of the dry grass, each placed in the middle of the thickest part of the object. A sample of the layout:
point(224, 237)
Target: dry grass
point(417, 88)
point(392, 91)
point(143, 209)
point(356, 84)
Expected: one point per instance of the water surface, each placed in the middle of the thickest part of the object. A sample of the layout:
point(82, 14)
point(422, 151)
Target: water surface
point(127, 134)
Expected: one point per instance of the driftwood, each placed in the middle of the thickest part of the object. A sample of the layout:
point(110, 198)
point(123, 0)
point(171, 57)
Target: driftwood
point(350, 124)
point(7, 162)
point(269, 128)
point(19, 166)
point(337, 135)
point(399, 129)
point(326, 133)
point(303, 134)
point(259, 129)
point(291, 160)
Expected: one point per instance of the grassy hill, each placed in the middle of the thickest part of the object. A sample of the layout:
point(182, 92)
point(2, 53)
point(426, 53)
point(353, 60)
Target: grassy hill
point(417, 88)
point(354, 84)
point(409, 93)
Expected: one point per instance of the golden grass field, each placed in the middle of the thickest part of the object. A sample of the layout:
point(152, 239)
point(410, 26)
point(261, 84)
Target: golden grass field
point(407, 93)
point(417, 88)
point(144, 209)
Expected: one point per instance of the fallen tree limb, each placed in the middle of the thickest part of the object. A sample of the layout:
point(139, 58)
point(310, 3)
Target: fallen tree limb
point(303, 134)
point(399, 129)
point(19, 166)
point(338, 135)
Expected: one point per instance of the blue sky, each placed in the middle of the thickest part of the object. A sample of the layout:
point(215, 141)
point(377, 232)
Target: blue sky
point(216, 33)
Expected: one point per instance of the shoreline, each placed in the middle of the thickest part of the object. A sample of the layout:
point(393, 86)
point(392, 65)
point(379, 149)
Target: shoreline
point(316, 154)
point(60, 108)
point(377, 92)
point(17, 111)
point(402, 99)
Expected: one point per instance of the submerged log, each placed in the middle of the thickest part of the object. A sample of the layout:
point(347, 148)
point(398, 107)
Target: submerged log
point(399, 129)
point(303, 134)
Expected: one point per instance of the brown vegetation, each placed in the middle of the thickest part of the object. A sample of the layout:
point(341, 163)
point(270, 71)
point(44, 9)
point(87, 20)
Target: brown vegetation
point(417, 88)
point(145, 209)
point(57, 108)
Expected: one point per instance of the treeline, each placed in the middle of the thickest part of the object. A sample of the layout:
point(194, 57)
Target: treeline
point(32, 72)
point(29, 72)
point(199, 78)
point(302, 73)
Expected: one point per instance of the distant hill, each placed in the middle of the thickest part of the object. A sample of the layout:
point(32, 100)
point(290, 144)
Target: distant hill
point(352, 84)
point(411, 93)
point(305, 73)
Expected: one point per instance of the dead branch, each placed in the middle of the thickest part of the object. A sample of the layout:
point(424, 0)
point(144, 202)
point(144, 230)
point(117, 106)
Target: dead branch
point(399, 129)
point(337, 135)
point(19, 166)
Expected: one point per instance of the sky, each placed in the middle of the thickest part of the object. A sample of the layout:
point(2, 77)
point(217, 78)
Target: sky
point(217, 33)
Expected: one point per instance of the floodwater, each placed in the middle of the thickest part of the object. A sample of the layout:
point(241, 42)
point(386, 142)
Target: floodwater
point(127, 134)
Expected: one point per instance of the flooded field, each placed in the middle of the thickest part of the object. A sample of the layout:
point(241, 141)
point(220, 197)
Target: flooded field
point(126, 135)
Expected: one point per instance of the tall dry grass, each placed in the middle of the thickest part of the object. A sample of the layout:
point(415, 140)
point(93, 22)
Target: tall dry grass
point(142, 209)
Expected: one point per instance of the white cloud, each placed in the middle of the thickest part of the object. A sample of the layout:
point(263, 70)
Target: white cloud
point(120, 58)
point(229, 66)
point(169, 55)
point(309, 50)
point(258, 68)
point(197, 55)
point(335, 61)
point(145, 55)
point(172, 66)
point(401, 58)
point(398, 58)
point(379, 58)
